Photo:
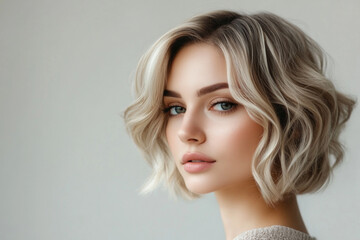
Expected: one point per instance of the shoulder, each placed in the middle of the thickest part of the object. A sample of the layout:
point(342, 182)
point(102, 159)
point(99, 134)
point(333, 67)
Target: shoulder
point(274, 233)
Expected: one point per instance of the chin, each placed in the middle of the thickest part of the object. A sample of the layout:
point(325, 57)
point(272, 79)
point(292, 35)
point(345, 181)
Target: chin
point(200, 187)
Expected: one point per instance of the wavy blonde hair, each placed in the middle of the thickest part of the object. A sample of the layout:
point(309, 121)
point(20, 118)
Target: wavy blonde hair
point(277, 72)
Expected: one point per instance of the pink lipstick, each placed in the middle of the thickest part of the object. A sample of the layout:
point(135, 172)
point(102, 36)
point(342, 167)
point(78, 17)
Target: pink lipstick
point(196, 162)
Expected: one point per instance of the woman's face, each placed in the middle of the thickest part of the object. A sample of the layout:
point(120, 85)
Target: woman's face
point(211, 136)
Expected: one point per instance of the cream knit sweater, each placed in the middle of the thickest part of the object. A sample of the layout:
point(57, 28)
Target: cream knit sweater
point(274, 233)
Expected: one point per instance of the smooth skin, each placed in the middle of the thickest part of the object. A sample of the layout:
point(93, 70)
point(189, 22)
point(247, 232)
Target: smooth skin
point(204, 118)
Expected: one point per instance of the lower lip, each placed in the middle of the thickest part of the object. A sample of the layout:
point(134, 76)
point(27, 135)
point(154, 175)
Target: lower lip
point(197, 167)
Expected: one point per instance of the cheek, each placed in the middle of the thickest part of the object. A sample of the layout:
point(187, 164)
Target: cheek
point(171, 136)
point(247, 136)
point(174, 143)
point(239, 139)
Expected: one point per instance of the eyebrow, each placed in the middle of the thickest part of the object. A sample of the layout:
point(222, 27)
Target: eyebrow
point(169, 93)
point(201, 92)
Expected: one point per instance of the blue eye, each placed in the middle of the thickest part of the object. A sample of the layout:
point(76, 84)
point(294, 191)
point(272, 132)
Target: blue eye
point(175, 110)
point(223, 106)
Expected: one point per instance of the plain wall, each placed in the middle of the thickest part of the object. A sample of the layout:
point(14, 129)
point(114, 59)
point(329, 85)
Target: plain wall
point(68, 169)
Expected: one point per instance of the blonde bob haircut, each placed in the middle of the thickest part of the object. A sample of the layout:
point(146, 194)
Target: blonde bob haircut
point(276, 72)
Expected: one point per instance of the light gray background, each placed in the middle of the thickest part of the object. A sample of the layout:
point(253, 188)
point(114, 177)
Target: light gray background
point(68, 170)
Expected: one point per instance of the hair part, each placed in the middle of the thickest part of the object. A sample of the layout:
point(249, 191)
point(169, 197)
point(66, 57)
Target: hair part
point(277, 72)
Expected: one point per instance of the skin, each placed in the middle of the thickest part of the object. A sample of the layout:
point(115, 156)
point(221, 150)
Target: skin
point(209, 121)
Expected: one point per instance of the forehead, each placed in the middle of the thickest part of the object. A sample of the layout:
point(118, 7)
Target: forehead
point(197, 65)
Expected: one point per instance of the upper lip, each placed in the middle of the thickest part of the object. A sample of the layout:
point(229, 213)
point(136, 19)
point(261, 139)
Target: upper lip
point(196, 156)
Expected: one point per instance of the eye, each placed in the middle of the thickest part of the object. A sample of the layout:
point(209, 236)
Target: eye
point(175, 110)
point(223, 106)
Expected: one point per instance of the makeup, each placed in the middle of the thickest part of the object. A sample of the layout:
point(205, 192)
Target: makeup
point(196, 162)
point(210, 135)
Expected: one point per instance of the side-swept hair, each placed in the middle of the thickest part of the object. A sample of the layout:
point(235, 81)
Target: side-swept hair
point(277, 73)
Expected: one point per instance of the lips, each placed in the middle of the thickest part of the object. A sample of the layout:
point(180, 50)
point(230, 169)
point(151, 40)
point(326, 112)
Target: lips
point(196, 163)
point(196, 158)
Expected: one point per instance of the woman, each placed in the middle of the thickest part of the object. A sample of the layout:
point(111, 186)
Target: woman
point(238, 105)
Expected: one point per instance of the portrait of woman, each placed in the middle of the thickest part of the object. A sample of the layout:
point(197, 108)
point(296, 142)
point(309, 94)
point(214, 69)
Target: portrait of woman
point(174, 120)
point(239, 105)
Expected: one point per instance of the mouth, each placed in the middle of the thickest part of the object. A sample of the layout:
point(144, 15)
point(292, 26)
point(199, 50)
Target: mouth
point(196, 158)
point(196, 163)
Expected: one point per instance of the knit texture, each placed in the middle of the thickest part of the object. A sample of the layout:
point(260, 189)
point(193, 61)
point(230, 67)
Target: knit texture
point(274, 233)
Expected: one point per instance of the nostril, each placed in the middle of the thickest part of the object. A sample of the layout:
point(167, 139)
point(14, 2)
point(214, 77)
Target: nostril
point(193, 140)
point(191, 131)
point(194, 137)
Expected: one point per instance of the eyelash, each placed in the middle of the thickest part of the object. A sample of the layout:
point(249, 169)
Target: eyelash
point(233, 107)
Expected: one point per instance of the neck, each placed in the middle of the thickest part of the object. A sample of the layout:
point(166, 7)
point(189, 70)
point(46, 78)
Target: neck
point(245, 209)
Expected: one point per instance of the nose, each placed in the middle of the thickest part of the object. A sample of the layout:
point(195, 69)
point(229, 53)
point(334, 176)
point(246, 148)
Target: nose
point(192, 129)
